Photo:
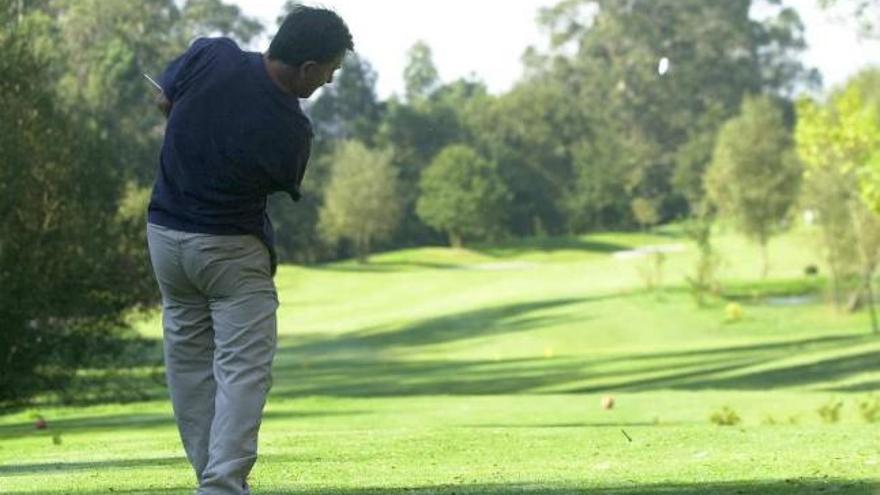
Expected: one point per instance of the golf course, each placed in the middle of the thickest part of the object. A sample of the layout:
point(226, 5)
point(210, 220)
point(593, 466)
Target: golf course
point(488, 369)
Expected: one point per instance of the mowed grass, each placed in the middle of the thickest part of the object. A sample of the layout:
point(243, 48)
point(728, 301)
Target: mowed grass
point(483, 370)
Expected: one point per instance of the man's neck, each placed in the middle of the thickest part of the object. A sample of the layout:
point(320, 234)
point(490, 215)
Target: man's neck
point(276, 72)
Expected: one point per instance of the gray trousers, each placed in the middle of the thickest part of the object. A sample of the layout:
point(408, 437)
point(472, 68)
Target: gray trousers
point(219, 328)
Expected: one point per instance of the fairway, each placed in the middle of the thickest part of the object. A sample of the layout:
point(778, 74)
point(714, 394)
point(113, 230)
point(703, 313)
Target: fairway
point(483, 371)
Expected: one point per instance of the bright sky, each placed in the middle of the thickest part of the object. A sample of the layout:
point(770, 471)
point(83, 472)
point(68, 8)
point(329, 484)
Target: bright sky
point(488, 37)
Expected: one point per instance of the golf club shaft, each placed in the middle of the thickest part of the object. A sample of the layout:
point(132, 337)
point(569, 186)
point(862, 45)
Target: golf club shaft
point(154, 83)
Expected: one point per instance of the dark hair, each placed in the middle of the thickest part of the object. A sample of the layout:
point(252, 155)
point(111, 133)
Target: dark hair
point(310, 34)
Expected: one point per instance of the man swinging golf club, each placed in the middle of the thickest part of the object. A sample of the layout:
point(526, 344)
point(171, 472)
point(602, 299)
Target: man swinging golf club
point(235, 133)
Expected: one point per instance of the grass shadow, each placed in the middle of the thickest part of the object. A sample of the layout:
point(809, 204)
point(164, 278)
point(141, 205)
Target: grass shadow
point(310, 370)
point(61, 467)
point(382, 267)
point(792, 486)
point(141, 422)
point(482, 322)
point(547, 245)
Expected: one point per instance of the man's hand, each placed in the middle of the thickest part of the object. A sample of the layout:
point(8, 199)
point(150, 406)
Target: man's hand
point(163, 104)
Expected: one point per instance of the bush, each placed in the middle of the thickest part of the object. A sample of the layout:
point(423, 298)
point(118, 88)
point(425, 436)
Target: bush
point(463, 195)
point(733, 312)
point(71, 265)
point(725, 417)
point(869, 408)
point(773, 288)
point(651, 270)
point(830, 412)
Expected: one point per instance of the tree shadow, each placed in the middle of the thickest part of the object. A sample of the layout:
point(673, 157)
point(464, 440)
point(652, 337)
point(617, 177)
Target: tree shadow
point(547, 245)
point(372, 368)
point(383, 267)
point(375, 362)
point(140, 422)
point(868, 386)
point(820, 371)
point(393, 378)
point(482, 322)
point(59, 467)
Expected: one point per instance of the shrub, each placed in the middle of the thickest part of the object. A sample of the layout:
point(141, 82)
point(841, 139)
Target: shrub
point(725, 417)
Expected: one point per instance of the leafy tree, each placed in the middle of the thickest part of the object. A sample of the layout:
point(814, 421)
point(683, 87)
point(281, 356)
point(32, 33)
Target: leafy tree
point(99, 50)
point(77, 136)
point(416, 132)
point(645, 212)
point(346, 110)
point(462, 195)
point(420, 75)
point(67, 274)
point(755, 176)
point(604, 54)
point(839, 142)
point(866, 13)
point(529, 133)
point(361, 202)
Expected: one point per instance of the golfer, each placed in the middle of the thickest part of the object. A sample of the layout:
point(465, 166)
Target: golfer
point(235, 133)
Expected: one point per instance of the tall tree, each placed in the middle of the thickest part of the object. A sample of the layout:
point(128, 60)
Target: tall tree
point(839, 141)
point(463, 196)
point(416, 132)
point(755, 176)
point(420, 75)
point(605, 53)
point(530, 133)
point(866, 14)
point(348, 109)
point(66, 276)
point(361, 202)
point(100, 50)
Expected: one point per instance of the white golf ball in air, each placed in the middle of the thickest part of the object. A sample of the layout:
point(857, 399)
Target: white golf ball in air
point(663, 66)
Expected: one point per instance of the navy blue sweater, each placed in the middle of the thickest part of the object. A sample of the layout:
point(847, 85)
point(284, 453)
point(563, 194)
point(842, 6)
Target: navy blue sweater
point(232, 138)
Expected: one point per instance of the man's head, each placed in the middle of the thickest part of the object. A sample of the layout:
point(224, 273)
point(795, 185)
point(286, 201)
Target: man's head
point(310, 46)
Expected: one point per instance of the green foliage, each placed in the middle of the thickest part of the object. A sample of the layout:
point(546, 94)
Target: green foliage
point(755, 176)
point(69, 267)
point(361, 202)
point(420, 75)
point(606, 176)
point(528, 133)
point(645, 212)
point(725, 417)
point(78, 140)
point(416, 132)
point(651, 270)
point(462, 195)
point(605, 53)
point(839, 143)
point(843, 136)
point(869, 408)
point(98, 50)
point(758, 290)
point(830, 412)
point(348, 108)
point(864, 12)
point(733, 312)
point(704, 280)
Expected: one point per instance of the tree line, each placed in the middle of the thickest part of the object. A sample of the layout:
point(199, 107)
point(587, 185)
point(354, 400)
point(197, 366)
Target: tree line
point(590, 138)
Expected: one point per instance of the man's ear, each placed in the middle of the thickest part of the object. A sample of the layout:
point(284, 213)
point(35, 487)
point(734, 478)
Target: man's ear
point(306, 68)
